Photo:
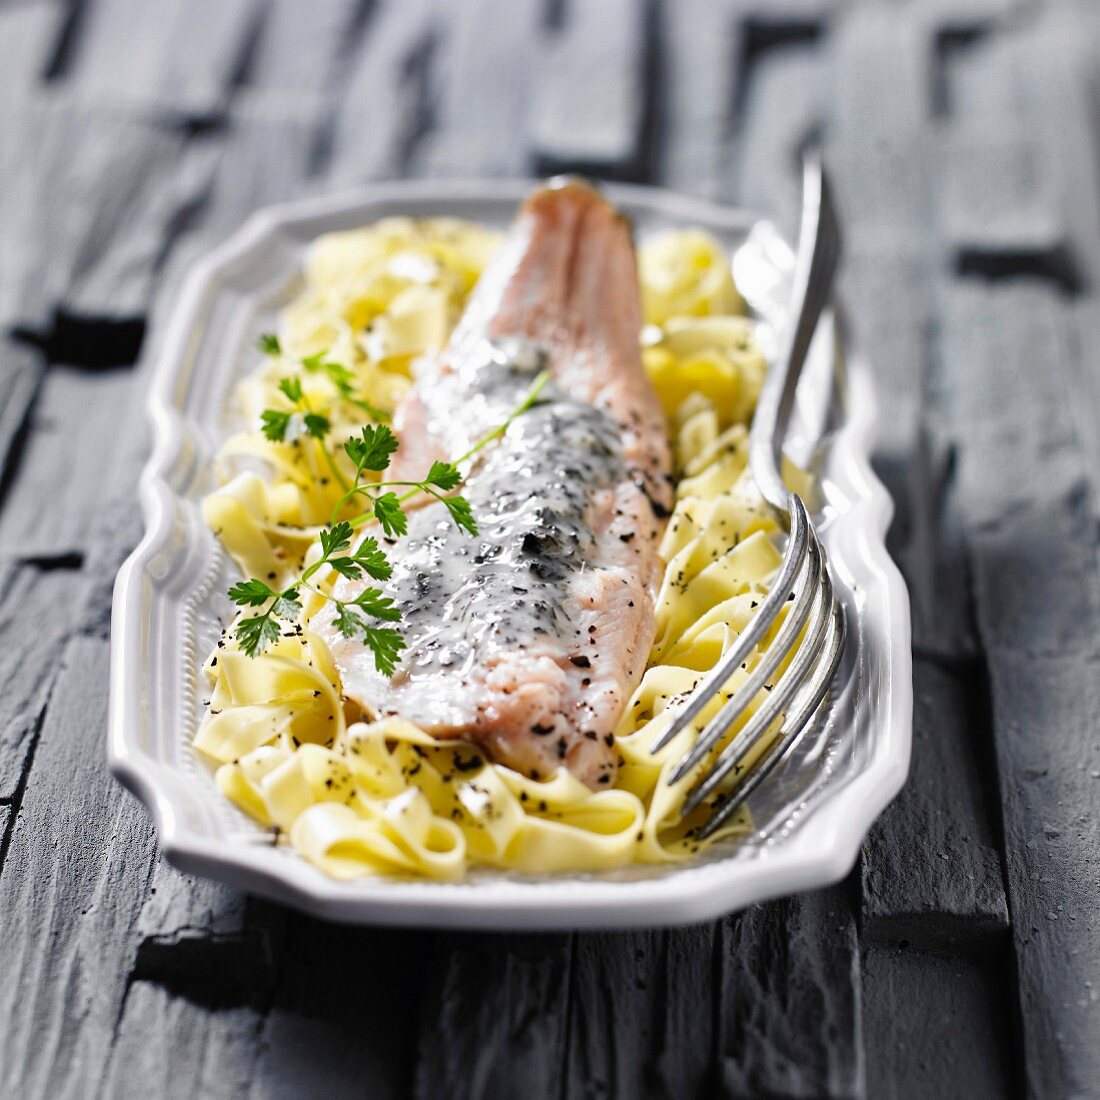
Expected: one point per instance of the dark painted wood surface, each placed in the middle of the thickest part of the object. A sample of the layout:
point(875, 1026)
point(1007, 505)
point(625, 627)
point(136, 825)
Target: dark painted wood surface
point(962, 955)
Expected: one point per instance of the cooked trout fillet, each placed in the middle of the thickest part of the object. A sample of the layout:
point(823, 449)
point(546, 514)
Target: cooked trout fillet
point(529, 638)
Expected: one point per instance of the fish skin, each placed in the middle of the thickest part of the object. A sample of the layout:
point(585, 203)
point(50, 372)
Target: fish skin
point(564, 280)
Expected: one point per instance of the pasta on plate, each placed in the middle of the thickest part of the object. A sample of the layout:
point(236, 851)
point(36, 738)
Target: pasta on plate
point(358, 797)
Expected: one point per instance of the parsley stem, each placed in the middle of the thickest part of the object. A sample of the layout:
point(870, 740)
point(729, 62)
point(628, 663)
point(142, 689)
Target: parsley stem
point(336, 471)
point(532, 396)
point(419, 486)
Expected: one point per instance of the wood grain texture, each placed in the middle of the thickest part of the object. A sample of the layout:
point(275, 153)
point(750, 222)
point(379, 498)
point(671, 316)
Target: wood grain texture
point(936, 1026)
point(496, 1017)
point(20, 376)
point(344, 1012)
point(1032, 525)
point(590, 103)
point(29, 33)
point(51, 601)
point(931, 867)
point(178, 58)
point(479, 90)
point(788, 1012)
point(385, 104)
point(700, 56)
point(961, 956)
point(93, 200)
point(66, 468)
point(72, 882)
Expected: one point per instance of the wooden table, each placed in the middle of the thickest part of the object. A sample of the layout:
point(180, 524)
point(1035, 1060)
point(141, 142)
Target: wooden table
point(962, 955)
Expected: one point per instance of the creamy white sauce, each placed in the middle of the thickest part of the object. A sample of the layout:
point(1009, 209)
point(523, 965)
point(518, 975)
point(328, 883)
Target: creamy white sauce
point(465, 598)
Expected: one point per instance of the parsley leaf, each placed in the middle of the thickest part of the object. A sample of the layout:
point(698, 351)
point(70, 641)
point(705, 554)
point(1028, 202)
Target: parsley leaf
point(346, 567)
point(291, 388)
point(275, 424)
point(371, 449)
point(317, 425)
point(386, 644)
point(268, 343)
point(461, 513)
point(347, 621)
point(374, 603)
point(255, 634)
point(287, 606)
point(374, 562)
point(335, 538)
point(443, 475)
point(390, 514)
point(251, 593)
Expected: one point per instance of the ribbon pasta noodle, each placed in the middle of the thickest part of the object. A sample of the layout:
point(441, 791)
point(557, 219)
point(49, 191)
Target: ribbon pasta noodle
point(384, 797)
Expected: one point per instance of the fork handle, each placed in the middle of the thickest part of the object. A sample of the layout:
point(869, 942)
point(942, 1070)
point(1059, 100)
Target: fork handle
point(815, 266)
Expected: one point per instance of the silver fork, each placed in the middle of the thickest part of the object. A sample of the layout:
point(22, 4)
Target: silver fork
point(803, 574)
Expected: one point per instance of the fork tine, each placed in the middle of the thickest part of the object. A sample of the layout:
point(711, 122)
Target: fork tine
point(788, 573)
point(775, 653)
point(792, 731)
point(789, 683)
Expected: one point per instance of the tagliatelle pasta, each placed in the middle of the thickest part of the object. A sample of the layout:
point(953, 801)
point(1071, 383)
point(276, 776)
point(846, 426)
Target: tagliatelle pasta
point(384, 797)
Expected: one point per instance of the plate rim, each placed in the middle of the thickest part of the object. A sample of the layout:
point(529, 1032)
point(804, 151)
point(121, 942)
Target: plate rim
point(841, 819)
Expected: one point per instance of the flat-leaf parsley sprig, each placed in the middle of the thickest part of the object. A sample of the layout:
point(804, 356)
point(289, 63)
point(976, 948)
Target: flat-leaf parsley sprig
point(370, 452)
point(255, 633)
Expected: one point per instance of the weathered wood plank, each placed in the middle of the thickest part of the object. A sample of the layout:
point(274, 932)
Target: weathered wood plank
point(784, 103)
point(29, 35)
point(877, 134)
point(687, 998)
point(1001, 200)
point(77, 867)
point(344, 1015)
point(788, 1008)
point(1027, 494)
point(204, 968)
point(936, 1026)
point(480, 90)
point(262, 156)
point(1045, 710)
point(177, 1049)
point(642, 1013)
point(90, 203)
point(39, 608)
point(591, 94)
point(80, 450)
point(882, 159)
point(178, 58)
point(300, 49)
point(1029, 500)
point(701, 54)
point(494, 1020)
point(20, 377)
point(384, 106)
point(931, 869)
point(1054, 69)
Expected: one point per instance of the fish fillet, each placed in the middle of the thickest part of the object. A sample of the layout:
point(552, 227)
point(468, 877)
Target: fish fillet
point(529, 638)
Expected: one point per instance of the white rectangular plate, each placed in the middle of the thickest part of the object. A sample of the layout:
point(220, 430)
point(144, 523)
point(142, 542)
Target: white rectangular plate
point(169, 605)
